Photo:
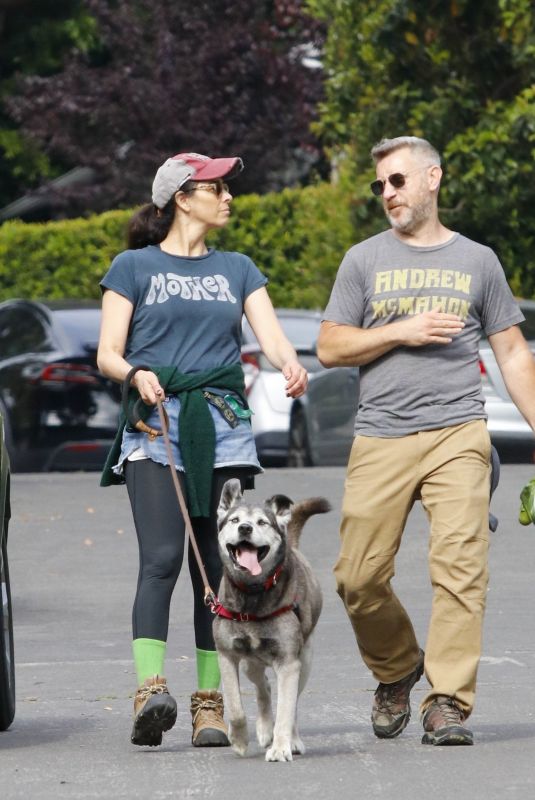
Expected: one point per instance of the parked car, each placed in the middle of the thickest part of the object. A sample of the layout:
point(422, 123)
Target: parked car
point(59, 412)
point(508, 429)
point(322, 421)
point(265, 385)
point(7, 655)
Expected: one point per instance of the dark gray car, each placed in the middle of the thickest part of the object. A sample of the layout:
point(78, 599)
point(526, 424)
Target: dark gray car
point(59, 412)
point(7, 661)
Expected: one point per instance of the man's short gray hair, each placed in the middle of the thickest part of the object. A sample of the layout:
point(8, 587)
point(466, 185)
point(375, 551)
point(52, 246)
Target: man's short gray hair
point(387, 146)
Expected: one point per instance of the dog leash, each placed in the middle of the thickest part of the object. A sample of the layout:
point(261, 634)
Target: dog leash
point(133, 417)
point(210, 598)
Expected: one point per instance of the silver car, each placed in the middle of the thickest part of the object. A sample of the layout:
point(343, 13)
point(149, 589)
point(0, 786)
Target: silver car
point(322, 422)
point(264, 384)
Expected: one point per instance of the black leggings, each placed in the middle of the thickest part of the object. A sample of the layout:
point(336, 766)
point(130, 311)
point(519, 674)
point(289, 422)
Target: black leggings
point(161, 533)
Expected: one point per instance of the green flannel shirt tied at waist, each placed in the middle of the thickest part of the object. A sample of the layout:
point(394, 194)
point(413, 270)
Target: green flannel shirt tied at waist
point(196, 431)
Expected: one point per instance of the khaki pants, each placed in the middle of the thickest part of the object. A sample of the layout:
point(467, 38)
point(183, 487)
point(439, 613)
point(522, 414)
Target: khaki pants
point(449, 471)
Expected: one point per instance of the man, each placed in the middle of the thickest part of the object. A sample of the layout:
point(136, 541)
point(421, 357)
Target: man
point(408, 306)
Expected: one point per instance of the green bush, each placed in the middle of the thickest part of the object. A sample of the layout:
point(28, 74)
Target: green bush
point(296, 237)
point(59, 259)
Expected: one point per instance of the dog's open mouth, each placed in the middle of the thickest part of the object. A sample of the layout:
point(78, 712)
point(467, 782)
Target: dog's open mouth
point(248, 557)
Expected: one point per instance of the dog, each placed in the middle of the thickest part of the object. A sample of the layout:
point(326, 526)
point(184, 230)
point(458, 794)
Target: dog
point(269, 603)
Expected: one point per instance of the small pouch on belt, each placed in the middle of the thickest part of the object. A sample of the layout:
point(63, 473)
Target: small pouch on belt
point(223, 407)
point(239, 410)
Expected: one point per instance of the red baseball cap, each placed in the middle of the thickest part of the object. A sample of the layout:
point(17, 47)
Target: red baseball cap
point(190, 166)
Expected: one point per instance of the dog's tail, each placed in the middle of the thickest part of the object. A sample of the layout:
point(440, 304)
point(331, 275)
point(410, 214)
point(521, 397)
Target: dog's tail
point(301, 512)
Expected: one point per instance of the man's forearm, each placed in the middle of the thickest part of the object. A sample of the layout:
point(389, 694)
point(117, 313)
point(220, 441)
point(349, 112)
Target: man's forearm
point(519, 377)
point(345, 345)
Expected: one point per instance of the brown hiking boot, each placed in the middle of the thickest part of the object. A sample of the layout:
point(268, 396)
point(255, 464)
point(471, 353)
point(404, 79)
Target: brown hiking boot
point(391, 709)
point(154, 712)
point(443, 723)
point(209, 729)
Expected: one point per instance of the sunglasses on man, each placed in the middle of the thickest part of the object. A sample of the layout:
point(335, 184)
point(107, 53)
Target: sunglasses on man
point(397, 180)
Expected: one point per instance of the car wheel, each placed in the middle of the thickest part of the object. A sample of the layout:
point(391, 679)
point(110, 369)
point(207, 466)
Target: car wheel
point(299, 447)
point(7, 655)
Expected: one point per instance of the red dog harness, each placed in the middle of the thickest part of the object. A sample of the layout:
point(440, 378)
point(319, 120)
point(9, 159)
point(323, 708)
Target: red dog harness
point(219, 610)
point(238, 616)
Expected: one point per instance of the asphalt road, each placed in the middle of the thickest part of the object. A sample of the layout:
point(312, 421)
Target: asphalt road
point(73, 570)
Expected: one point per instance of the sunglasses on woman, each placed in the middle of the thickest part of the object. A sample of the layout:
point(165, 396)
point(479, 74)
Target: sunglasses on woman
point(217, 187)
point(397, 180)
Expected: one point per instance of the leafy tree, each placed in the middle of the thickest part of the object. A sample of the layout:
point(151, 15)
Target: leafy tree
point(35, 35)
point(459, 73)
point(163, 77)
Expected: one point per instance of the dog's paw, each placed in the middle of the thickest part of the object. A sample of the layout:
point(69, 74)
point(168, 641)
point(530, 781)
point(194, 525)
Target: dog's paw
point(298, 748)
point(240, 748)
point(264, 731)
point(238, 737)
point(280, 752)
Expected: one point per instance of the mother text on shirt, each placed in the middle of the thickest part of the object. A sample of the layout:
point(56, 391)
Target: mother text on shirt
point(189, 287)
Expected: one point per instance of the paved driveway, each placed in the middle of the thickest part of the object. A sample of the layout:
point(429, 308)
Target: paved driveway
point(73, 569)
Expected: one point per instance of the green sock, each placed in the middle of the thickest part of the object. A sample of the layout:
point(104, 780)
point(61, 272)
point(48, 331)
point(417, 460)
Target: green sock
point(149, 657)
point(208, 675)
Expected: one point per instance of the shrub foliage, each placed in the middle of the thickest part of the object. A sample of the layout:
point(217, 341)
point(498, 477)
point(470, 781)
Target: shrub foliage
point(296, 237)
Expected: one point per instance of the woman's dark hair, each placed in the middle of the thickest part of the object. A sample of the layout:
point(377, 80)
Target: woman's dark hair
point(150, 225)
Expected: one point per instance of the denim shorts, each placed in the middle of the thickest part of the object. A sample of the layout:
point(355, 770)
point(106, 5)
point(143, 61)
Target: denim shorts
point(234, 446)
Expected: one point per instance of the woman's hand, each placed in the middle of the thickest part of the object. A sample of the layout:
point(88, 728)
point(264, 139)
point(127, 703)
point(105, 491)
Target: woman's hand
point(148, 386)
point(296, 378)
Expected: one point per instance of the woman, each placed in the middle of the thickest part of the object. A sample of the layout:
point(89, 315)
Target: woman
point(174, 307)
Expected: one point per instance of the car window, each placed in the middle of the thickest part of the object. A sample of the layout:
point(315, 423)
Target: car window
point(23, 330)
point(528, 327)
point(82, 326)
point(299, 330)
point(309, 361)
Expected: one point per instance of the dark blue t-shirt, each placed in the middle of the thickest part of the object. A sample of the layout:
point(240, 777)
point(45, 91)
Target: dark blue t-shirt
point(187, 311)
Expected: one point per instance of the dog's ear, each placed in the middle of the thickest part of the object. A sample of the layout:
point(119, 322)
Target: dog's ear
point(281, 506)
point(230, 495)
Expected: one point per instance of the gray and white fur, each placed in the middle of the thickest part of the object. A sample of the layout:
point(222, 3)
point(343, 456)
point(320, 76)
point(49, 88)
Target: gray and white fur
point(256, 543)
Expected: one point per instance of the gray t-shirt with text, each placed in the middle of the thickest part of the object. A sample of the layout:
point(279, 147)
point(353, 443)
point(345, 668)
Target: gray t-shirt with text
point(410, 389)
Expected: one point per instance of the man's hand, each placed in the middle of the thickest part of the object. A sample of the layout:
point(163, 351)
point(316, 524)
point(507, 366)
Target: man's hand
point(430, 327)
point(527, 503)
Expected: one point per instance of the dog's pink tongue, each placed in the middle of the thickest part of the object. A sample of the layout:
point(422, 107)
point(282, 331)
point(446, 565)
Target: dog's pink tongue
point(247, 558)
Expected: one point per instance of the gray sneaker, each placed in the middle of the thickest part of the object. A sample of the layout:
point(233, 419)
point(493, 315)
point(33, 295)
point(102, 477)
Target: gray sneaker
point(391, 709)
point(443, 723)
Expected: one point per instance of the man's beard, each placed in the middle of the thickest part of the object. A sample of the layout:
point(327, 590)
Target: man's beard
point(413, 217)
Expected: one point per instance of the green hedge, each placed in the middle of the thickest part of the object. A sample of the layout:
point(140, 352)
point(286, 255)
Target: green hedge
point(59, 259)
point(297, 238)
